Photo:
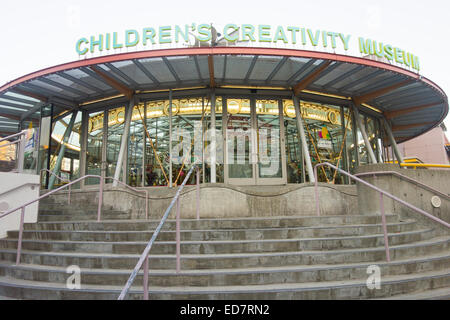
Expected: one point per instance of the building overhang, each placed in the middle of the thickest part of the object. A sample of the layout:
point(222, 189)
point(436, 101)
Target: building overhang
point(413, 104)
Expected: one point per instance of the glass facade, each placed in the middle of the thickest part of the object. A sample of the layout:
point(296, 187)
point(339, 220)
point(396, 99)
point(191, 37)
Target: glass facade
point(156, 152)
point(94, 150)
point(256, 141)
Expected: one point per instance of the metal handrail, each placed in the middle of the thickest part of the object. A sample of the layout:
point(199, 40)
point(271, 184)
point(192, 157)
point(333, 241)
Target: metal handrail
point(111, 178)
point(18, 148)
point(54, 174)
point(13, 136)
point(136, 190)
point(59, 178)
point(423, 185)
point(143, 259)
point(22, 208)
point(69, 185)
point(10, 144)
point(382, 192)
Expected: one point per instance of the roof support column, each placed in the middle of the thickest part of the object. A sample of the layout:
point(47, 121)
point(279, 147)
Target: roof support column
point(62, 150)
point(213, 136)
point(344, 128)
point(170, 139)
point(394, 146)
point(124, 141)
point(364, 134)
point(83, 145)
point(304, 144)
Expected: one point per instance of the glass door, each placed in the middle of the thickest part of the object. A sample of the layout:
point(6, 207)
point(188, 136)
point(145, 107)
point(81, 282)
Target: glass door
point(254, 138)
point(269, 129)
point(239, 142)
point(94, 150)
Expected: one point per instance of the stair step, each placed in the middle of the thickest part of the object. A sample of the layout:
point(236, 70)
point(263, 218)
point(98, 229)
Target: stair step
point(238, 276)
point(230, 260)
point(218, 234)
point(435, 294)
point(349, 289)
point(223, 246)
point(236, 258)
point(228, 223)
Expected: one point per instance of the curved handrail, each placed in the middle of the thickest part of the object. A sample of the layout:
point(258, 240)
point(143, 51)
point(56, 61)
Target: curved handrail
point(68, 185)
point(423, 185)
point(59, 178)
point(13, 136)
point(54, 174)
point(9, 144)
point(22, 207)
point(136, 190)
point(111, 178)
point(143, 259)
point(382, 193)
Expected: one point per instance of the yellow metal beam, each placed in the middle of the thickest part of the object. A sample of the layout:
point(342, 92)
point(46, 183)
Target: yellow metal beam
point(424, 165)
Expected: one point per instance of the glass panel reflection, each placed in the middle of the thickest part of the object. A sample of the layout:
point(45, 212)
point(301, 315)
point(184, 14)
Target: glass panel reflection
point(268, 139)
point(94, 146)
point(239, 139)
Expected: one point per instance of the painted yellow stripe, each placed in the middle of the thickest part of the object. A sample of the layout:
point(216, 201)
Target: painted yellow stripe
point(424, 165)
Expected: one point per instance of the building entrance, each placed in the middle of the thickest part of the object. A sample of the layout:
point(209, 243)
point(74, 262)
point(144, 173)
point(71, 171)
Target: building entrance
point(254, 140)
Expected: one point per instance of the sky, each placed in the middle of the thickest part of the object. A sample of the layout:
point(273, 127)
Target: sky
point(39, 34)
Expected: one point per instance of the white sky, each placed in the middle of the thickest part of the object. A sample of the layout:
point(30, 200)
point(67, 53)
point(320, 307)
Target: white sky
point(39, 34)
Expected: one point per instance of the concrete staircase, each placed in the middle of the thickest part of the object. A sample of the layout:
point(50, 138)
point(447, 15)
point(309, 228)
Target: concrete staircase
point(299, 257)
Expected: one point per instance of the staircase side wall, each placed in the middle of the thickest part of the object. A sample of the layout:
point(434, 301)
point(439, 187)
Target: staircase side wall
point(224, 201)
point(369, 200)
point(16, 198)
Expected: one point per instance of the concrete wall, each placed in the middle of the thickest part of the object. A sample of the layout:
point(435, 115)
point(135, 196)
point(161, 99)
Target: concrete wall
point(369, 200)
point(220, 200)
point(16, 198)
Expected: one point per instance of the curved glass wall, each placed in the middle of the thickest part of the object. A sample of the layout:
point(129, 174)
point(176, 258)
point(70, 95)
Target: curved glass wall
point(326, 136)
point(256, 141)
point(94, 146)
point(157, 159)
point(268, 139)
point(69, 167)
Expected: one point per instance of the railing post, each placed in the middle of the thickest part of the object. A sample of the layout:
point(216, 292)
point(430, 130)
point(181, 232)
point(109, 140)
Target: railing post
point(383, 221)
point(178, 246)
point(316, 191)
point(145, 280)
point(19, 243)
point(146, 204)
point(70, 191)
point(100, 200)
point(198, 194)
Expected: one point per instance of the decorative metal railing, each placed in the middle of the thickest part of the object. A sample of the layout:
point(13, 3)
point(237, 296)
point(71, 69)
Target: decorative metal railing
point(68, 185)
point(382, 193)
point(143, 260)
point(22, 208)
point(402, 176)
